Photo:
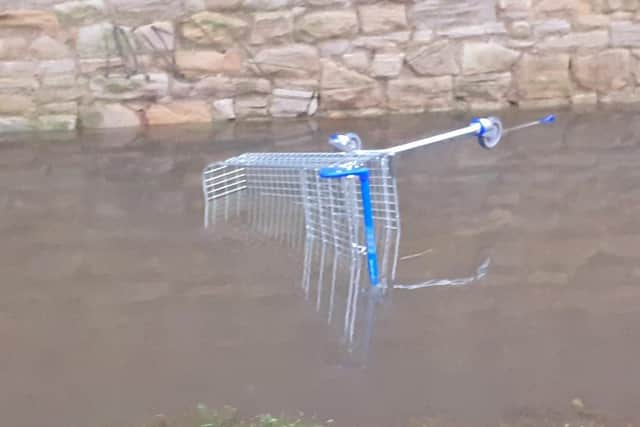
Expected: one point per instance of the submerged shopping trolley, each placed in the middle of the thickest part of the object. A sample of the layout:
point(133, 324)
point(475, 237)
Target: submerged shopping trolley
point(348, 199)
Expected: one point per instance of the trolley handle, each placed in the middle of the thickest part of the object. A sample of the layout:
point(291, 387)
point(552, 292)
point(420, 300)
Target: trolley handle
point(489, 131)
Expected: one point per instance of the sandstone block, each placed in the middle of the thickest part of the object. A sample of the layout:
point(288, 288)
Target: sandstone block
point(156, 37)
point(13, 47)
point(358, 60)
point(334, 47)
point(603, 71)
point(291, 103)
point(18, 69)
point(228, 87)
point(416, 94)
point(437, 58)
point(266, 4)
point(625, 34)
point(66, 67)
point(16, 104)
point(520, 30)
point(251, 106)
point(216, 5)
point(545, 27)
point(514, 9)
point(56, 123)
point(543, 104)
point(271, 27)
point(387, 64)
point(107, 116)
point(436, 14)
point(120, 87)
point(382, 17)
point(212, 28)
point(485, 87)
point(543, 76)
point(97, 40)
point(295, 60)
point(139, 12)
point(345, 89)
point(590, 39)
point(40, 20)
point(590, 22)
point(471, 31)
point(573, 7)
point(223, 109)
point(80, 11)
point(45, 47)
point(584, 98)
point(198, 62)
point(383, 41)
point(478, 58)
point(327, 24)
point(178, 112)
point(56, 108)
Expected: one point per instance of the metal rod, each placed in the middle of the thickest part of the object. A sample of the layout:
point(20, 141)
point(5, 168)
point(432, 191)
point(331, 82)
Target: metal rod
point(471, 129)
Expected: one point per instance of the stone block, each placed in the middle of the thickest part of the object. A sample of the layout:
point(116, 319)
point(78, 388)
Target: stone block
point(251, 106)
point(433, 59)
point(295, 60)
point(156, 37)
point(271, 27)
point(543, 76)
point(98, 41)
point(387, 64)
point(46, 47)
point(56, 123)
point(291, 103)
point(436, 14)
point(213, 28)
point(202, 62)
point(178, 112)
point(384, 41)
point(485, 87)
point(265, 4)
point(39, 20)
point(16, 104)
point(223, 109)
point(327, 24)
point(382, 18)
point(587, 40)
point(357, 60)
point(107, 116)
point(80, 11)
point(479, 58)
point(605, 71)
point(419, 94)
point(13, 47)
point(625, 34)
point(229, 87)
point(345, 89)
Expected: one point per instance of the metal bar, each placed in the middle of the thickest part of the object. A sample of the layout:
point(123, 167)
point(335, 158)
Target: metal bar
point(471, 129)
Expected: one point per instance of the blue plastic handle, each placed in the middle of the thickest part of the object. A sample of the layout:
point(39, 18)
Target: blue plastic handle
point(367, 210)
point(548, 119)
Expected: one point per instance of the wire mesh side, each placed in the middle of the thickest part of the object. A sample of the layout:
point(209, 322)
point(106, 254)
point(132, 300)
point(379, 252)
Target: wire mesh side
point(223, 188)
point(330, 207)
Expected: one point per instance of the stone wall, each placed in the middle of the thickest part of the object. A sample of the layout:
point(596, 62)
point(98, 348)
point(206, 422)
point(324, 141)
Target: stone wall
point(114, 63)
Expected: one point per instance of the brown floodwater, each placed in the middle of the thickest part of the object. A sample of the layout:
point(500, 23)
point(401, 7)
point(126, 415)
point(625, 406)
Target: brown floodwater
point(116, 304)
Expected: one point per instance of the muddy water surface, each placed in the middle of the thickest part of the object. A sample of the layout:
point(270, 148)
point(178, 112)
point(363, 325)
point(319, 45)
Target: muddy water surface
point(116, 304)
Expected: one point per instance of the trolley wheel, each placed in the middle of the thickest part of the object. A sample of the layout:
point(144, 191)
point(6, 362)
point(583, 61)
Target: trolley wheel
point(491, 135)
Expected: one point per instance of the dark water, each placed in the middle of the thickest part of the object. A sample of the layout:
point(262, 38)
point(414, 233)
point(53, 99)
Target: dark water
point(116, 304)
